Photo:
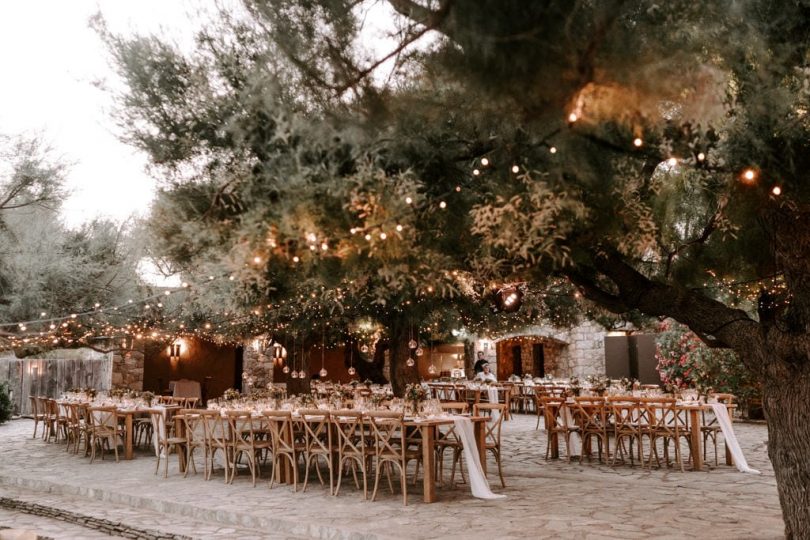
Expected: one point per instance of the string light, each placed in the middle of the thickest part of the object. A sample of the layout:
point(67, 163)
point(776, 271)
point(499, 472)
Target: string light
point(637, 142)
point(701, 156)
point(484, 161)
point(749, 176)
point(573, 117)
point(442, 205)
point(515, 169)
point(776, 190)
point(553, 150)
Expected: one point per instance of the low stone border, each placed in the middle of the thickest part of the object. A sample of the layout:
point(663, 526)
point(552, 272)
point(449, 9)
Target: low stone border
point(103, 525)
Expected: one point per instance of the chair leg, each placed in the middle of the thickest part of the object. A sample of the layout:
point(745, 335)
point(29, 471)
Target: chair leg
point(376, 483)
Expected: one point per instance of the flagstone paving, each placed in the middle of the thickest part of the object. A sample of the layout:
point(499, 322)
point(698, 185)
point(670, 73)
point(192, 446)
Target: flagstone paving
point(553, 499)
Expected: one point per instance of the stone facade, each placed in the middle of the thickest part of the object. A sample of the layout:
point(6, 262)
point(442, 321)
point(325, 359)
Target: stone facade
point(256, 364)
point(568, 352)
point(127, 369)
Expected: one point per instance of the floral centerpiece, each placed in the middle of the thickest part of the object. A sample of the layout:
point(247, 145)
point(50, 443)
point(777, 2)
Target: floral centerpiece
point(231, 394)
point(378, 398)
point(275, 392)
point(575, 386)
point(415, 394)
point(148, 397)
point(628, 384)
point(117, 392)
point(599, 384)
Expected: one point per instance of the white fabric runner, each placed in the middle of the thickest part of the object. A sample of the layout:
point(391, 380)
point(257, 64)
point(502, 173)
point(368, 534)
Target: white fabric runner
point(721, 413)
point(492, 392)
point(479, 486)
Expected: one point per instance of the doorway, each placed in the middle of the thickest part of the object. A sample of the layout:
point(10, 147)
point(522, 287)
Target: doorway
point(538, 360)
point(237, 368)
point(517, 360)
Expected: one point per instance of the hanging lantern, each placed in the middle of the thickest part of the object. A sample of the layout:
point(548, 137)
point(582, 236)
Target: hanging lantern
point(279, 352)
point(294, 375)
point(432, 369)
point(352, 371)
point(420, 351)
point(286, 369)
point(412, 344)
point(364, 349)
point(410, 362)
point(322, 373)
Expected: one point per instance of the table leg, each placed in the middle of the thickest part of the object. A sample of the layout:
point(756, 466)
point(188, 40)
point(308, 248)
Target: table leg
point(729, 459)
point(428, 463)
point(481, 444)
point(129, 433)
point(697, 451)
point(180, 431)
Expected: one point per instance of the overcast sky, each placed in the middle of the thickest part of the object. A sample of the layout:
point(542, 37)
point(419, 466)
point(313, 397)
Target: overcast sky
point(49, 60)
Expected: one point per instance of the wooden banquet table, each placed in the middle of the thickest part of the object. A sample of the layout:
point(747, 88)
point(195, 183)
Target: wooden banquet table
point(427, 429)
point(695, 438)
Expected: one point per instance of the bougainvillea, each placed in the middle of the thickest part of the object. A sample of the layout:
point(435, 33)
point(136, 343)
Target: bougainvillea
point(684, 361)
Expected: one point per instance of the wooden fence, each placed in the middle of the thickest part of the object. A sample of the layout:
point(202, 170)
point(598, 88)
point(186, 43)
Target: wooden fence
point(51, 376)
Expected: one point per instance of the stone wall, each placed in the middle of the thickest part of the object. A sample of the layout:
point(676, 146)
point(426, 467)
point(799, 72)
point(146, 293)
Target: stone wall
point(127, 369)
point(257, 365)
point(577, 351)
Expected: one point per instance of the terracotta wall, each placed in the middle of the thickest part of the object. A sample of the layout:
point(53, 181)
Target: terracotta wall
point(198, 359)
point(444, 357)
point(336, 371)
point(551, 353)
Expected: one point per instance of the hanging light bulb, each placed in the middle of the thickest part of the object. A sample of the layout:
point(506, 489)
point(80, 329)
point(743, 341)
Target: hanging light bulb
point(364, 348)
point(352, 371)
point(432, 369)
point(420, 351)
point(286, 369)
point(412, 344)
point(322, 373)
point(410, 362)
point(294, 375)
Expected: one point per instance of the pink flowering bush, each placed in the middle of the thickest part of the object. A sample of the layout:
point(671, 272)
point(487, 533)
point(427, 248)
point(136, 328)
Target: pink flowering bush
point(684, 361)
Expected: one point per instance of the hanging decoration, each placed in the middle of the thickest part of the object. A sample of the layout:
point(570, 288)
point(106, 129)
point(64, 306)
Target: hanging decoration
point(352, 371)
point(323, 371)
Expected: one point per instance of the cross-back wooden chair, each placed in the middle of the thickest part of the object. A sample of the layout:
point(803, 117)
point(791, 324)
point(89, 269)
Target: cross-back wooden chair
point(36, 413)
point(557, 424)
point(351, 445)
point(448, 439)
point(667, 423)
point(590, 416)
point(390, 449)
point(625, 417)
point(317, 426)
point(248, 439)
point(104, 430)
point(217, 438)
point(283, 444)
point(194, 433)
point(497, 412)
point(162, 441)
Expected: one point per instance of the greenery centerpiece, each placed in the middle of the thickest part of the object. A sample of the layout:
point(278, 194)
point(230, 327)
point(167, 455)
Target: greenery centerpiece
point(148, 397)
point(231, 394)
point(575, 386)
point(598, 384)
point(415, 394)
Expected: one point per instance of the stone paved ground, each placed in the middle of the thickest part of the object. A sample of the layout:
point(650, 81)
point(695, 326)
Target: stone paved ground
point(544, 499)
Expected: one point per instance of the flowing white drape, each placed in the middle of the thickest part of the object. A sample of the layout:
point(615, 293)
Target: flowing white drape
point(723, 419)
point(479, 486)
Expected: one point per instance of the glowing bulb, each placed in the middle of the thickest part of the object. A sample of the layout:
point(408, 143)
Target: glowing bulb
point(458, 189)
point(322, 373)
point(776, 190)
point(410, 362)
point(352, 371)
point(484, 162)
point(515, 169)
point(749, 175)
point(368, 237)
point(294, 375)
point(442, 205)
point(383, 236)
point(701, 156)
point(637, 142)
point(324, 246)
point(408, 200)
point(285, 369)
point(573, 117)
point(257, 260)
point(432, 369)
point(476, 172)
point(399, 228)
point(553, 149)
point(412, 344)
point(364, 349)
point(420, 351)
point(296, 259)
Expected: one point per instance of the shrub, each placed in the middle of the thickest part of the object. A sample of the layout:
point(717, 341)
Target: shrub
point(684, 361)
point(5, 403)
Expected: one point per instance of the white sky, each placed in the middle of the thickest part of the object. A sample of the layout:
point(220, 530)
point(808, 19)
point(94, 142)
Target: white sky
point(49, 60)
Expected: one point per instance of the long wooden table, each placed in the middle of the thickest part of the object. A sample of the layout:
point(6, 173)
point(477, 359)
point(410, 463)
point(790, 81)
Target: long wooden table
point(427, 429)
point(695, 436)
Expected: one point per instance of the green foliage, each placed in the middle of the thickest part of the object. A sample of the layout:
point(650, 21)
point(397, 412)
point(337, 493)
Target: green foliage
point(5, 403)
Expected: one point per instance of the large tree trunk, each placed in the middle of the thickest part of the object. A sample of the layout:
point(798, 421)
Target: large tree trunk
point(398, 353)
point(785, 400)
point(366, 371)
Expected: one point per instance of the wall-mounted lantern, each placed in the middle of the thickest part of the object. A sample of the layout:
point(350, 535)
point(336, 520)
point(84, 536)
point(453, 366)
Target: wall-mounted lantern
point(174, 351)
